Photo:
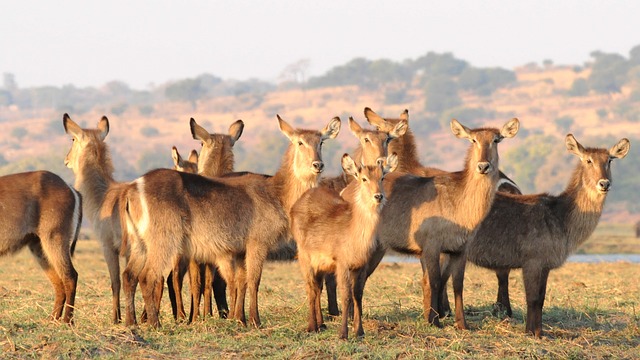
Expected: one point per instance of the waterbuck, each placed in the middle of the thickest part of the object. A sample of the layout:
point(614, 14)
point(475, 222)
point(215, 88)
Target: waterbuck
point(335, 233)
point(216, 159)
point(230, 221)
point(44, 213)
point(90, 160)
point(408, 162)
point(538, 232)
point(427, 216)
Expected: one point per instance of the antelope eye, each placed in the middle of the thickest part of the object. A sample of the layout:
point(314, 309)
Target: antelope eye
point(300, 143)
point(473, 141)
point(364, 179)
point(366, 140)
point(589, 161)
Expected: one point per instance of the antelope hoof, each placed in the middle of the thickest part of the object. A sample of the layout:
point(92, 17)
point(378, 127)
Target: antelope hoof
point(322, 327)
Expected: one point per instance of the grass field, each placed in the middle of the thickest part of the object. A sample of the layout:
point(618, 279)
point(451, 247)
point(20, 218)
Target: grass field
point(591, 311)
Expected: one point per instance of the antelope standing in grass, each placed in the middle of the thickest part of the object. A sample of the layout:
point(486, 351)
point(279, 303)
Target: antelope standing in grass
point(373, 145)
point(215, 159)
point(90, 160)
point(408, 162)
point(335, 233)
point(232, 221)
point(538, 232)
point(44, 213)
point(427, 216)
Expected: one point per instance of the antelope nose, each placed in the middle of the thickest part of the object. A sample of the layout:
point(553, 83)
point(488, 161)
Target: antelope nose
point(378, 197)
point(318, 166)
point(484, 167)
point(604, 185)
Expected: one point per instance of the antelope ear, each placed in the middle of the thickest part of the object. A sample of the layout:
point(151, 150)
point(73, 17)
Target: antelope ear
point(349, 166)
point(373, 118)
point(193, 156)
point(510, 129)
point(460, 130)
point(175, 155)
point(235, 130)
point(286, 129)
point(405, 115)
point(400, 129)
point(70, 127)
point(390, 163)
point(621, 149)
point(354, 126)
point(573, 146)
point(103, 126)
point(332, 129)
point(197, 131)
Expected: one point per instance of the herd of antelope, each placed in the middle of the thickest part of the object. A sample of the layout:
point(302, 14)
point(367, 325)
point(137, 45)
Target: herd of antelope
point(219, 226)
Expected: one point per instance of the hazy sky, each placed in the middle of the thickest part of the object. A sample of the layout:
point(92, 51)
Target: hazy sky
point(88, 43)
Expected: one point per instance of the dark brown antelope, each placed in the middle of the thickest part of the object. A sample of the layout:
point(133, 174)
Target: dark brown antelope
point(638, 229)
point(335, 233)
point(44, 213)
point(90, 160)
point(216, 159)
point(408, 162)
point(231, 221)
point(427, 216)
point(538, 232)
point(189, 165)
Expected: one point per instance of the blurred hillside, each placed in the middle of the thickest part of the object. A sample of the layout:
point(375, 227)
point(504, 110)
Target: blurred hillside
point(598, 101)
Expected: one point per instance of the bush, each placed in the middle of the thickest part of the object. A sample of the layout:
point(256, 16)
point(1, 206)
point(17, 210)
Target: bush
point(564, 123)
point(580, 87)
point(19, 132)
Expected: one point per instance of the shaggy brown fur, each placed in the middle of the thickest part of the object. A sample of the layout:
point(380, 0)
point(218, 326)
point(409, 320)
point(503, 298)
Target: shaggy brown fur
point(427, 216)
point(538, 232)
point(335, 233)
point(232, 221)
point(44, 213)
point(216, 159)
point(91, 163)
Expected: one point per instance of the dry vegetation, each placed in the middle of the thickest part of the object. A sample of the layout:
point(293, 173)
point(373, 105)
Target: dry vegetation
point(591, 311)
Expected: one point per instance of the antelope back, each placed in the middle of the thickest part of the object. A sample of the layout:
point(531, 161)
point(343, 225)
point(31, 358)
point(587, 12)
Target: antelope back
point(216, 155)
point(190, 165)
point(374, 143)
point(594, 172)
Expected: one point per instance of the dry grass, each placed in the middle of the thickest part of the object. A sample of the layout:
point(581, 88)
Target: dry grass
point(591, 311)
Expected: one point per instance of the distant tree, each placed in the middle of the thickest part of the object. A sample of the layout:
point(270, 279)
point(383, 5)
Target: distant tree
point(525, 160)
point(441, 94)
point(436, 65)
point(189, 90)
point(580, 87)
point(296, 72)
point(19, 132)
point(153, 159)
point(119, 109)
point(608, 72)
point(564, 123)
point(547, 63)
point(395, 96)
point(634, 56)
point(145, 110)
point(149, 131)
point(9, 82)
point(485, 81)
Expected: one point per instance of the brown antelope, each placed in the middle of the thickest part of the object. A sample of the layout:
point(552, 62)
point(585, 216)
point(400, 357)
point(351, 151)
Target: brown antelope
point(335, 233)
point(373, 144)
point(408, 162)
point(427, 216)
point(638, 229)
point(189, 165)
point(231, 221)
point(538, 232)
point(90, 160)
point(44, 213)
point(216, 159)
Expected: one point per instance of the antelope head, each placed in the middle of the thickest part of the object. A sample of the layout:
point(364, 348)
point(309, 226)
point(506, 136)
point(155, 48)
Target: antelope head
point(375, 143)
point(306, 147)
point(369, 178)
point(216, 154)
point(190, 165)
point(483, 155)
point(85, 141)
point(594, 172)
